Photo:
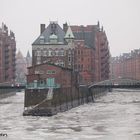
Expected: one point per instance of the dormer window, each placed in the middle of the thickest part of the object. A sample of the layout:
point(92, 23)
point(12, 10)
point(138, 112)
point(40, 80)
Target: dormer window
point(53, 39)
point(42, 40)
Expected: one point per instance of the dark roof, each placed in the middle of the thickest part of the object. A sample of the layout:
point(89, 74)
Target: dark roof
point(87, 35)
point(53, 28)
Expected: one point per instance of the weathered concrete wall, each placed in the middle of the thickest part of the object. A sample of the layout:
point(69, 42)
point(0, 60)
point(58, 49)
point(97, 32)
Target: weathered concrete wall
point(63, 99)
point(34, 96)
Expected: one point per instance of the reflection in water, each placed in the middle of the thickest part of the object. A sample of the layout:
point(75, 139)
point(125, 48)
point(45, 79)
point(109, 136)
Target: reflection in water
point(115, 116)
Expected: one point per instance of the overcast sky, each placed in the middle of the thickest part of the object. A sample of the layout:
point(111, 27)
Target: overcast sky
point(120, 18)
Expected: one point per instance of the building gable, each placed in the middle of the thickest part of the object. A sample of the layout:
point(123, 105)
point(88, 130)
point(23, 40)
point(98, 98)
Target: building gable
point(52, 29)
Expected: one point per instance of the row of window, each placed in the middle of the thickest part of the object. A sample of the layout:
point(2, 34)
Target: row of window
point(83, 52)
point(81, 67)
point(42, 72)
point(50, 53)
point(58, 62)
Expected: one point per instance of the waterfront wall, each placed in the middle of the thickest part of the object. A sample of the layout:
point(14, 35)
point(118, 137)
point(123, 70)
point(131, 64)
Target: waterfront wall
point(63, 99)
point(6, 92)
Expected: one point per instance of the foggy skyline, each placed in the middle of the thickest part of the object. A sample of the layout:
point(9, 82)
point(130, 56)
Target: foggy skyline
point(120, 19)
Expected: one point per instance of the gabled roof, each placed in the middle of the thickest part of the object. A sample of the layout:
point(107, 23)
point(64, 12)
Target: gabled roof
point(51, 64)
point(69, 33)
point(53, 28)
point(87, 34)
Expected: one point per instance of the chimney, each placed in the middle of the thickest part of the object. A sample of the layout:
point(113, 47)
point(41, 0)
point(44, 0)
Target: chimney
point(42, 28)
point(98, 24)
point(65, 27)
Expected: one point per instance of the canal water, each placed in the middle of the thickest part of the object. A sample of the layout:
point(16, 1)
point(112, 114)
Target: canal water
point(115, 116)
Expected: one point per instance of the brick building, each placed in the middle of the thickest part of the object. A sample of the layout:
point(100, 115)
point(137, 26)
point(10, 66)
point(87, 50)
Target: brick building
point(54, 46)
point(83, 49)
point(95, 40)
point(7, 55)
point(50, 75)
point(21, 67)
point(83, 61)
point(126, 65)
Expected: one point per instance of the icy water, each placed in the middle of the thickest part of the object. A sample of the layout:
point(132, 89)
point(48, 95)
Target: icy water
point(115, 116)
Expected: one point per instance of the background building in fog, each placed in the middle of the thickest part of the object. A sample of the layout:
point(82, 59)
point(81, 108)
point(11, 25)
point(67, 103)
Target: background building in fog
point(28, 59)
point(126, 65)
point(21, 66)
point(83, 48)
point(7, 55)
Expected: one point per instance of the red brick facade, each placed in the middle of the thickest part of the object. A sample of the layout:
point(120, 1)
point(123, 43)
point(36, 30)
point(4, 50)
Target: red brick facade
point(83, 62)
point(96, 43)
point(126, 66)
point(62, 76)
point(7, 55)
point(85, 50)
point(102, 56)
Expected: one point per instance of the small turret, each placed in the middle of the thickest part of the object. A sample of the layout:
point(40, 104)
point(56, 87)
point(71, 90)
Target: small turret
point(69, 35)
point(65, 27)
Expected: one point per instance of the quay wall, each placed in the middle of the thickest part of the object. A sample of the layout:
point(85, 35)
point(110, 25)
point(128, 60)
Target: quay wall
point(63, 99)
point(6, 92)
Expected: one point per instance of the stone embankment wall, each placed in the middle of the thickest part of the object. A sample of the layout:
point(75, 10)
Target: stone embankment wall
point(63, 99)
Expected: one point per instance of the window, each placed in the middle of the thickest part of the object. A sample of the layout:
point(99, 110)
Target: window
point(56, 52)
point(50, 82)
point(69, 59)
point(44, 53)
point(38, 53)
point(52, 53)
point(41, 82)
point(78, 52)
point(60, 63)
point(38, 60)
point(49, 53)
point(50, 71)
point(41, 41)
point(61, 53)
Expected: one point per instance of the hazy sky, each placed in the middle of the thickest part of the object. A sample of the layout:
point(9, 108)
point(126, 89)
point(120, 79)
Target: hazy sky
point(120, 18)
